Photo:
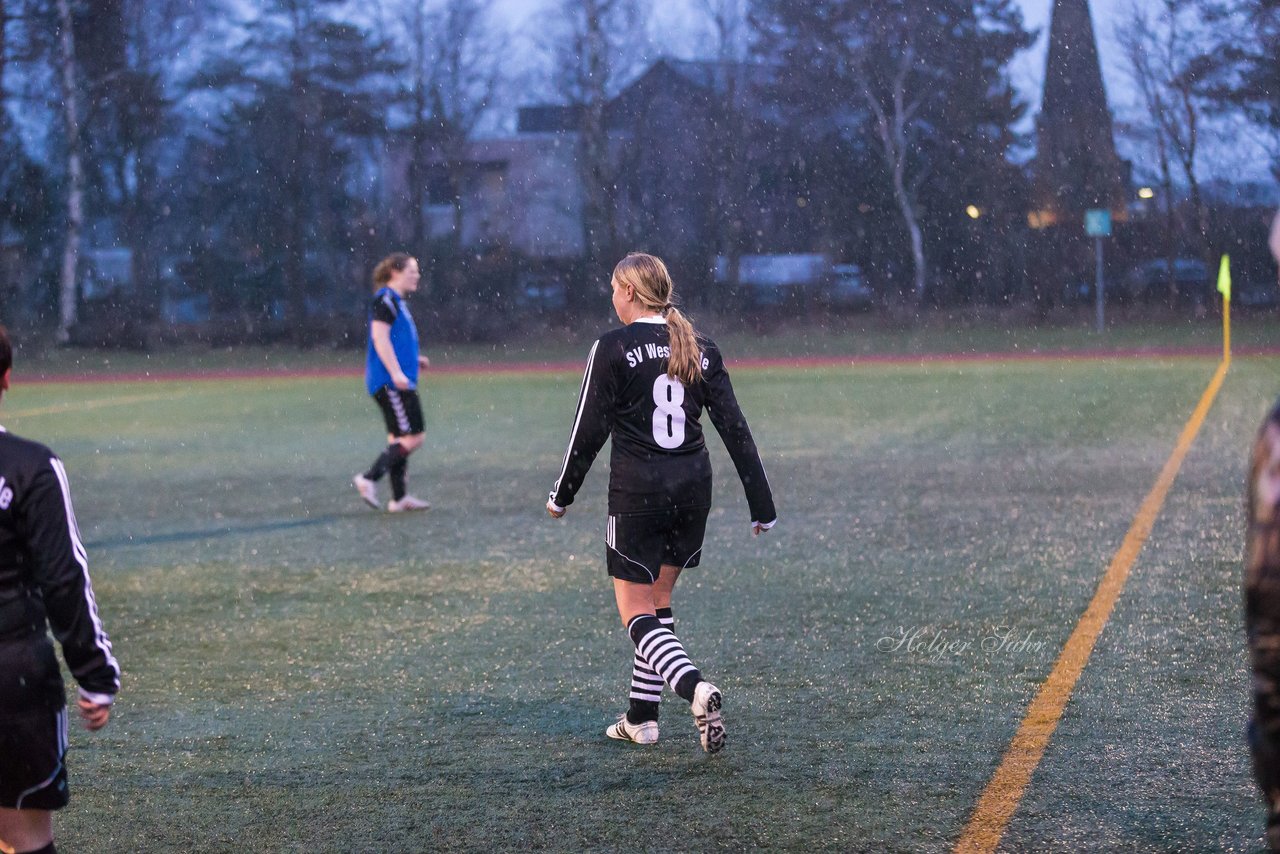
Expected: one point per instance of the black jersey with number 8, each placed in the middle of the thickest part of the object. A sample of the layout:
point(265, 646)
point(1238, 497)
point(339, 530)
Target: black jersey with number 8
point(659, 458)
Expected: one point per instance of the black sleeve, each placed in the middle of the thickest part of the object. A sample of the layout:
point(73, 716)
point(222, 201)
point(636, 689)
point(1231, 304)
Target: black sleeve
point(731, 424)
point(61, 572)
point(592, 423)
point(384, 309)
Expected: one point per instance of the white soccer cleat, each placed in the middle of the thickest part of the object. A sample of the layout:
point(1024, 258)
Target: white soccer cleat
point(706, 714)
point(409, 502)
point(368, 490)
point(645, 732)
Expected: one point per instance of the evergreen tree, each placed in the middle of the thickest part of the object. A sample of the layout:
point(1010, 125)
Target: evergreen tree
point(305, 88)
point(925, 86)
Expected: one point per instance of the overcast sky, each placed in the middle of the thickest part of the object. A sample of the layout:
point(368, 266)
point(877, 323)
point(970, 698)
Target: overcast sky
point(677, 19)
point(678, 22)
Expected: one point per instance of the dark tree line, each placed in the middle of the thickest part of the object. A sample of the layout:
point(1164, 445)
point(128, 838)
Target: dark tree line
point(259, 156)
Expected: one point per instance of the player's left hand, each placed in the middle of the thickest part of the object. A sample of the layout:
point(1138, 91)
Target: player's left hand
point(94, 715)
point(424, 362)
point(554, 511)
point(758, 528)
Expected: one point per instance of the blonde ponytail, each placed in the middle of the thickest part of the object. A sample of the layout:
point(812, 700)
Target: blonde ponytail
point(651, 281)
point(685, 363)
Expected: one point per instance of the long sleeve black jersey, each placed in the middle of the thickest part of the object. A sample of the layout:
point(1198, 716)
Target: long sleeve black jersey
point(659, 458)
point(44, 582)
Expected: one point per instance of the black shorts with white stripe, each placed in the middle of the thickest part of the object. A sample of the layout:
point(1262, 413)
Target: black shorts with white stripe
point(401, 410)
point(33, 770)
point(639, 544)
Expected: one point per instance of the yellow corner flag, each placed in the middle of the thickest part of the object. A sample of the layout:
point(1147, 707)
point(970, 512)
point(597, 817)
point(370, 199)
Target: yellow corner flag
point(1224, 288)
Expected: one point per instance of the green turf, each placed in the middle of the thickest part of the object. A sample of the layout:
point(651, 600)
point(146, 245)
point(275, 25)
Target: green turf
point(302, 673)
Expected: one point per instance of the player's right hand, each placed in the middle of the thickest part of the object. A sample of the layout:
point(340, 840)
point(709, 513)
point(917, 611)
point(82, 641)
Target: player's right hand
point(758, 528)
point(401, 382)
point(94, 715)
point(555, 512)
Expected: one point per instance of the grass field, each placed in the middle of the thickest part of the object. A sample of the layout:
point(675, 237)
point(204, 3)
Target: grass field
point(302, 673)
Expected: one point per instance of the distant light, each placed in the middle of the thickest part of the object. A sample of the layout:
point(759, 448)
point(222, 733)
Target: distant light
point(973, 211)
point(1146, 193)
point(1041, 219)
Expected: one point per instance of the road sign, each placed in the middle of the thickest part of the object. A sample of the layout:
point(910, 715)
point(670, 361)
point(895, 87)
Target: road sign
point(1097, 222)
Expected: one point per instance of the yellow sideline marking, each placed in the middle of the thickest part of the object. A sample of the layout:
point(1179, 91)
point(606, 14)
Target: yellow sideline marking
point(1007, 785)
point(90, 404)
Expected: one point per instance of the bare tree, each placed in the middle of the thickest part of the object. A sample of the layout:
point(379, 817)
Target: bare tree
point(595, 50)
point(464, 76)
point(895, 104)
point(1165, 52)
point(416, 24)
point(454, 64)
point(70, 86)
point(6, 15)
point(730, 23)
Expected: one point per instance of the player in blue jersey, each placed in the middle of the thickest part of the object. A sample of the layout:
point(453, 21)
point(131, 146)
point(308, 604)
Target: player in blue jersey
point(392, 362)
point(646, 387)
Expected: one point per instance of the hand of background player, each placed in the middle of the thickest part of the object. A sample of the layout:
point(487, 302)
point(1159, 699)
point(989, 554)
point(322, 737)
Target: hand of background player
point(758, 528)
point(424, 362)
point(401, 382)
point(95, 715)
point(555, 511)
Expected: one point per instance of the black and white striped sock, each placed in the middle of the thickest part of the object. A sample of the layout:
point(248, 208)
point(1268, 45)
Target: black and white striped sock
point(646, 684)
point(662, 649)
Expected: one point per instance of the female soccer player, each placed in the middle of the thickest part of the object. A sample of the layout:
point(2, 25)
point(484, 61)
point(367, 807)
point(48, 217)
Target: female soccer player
point(392, 361)
point(647, 385)
point(44, 583)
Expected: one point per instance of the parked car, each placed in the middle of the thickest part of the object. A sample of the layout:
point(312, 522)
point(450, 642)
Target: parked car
point(775, 282)
point(1149, 281)
point(1256, 294)
point(797, 282)
point(845, 289)
point(541, 292)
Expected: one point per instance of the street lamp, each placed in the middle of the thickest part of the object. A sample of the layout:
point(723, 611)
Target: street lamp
point(1146, 193)
point(973, 211)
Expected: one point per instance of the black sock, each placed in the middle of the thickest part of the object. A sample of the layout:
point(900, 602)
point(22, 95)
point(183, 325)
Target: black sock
point(660, 647)
point(398, 469)
point(646, 684)
point(384, 463)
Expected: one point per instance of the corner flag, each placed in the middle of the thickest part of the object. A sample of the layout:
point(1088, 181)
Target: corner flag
point(1224, 278)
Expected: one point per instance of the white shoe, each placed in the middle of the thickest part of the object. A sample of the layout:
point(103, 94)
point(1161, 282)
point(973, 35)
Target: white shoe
point(706, 714)
point(645, 732)
point(409, 502)
point(368, 490)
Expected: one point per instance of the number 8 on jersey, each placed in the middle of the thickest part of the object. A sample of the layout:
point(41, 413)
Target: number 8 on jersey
point(668, 418)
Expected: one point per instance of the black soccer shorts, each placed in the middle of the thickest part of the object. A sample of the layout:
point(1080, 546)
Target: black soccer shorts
point(638, 545)
point(33, 769)
point(401, 410)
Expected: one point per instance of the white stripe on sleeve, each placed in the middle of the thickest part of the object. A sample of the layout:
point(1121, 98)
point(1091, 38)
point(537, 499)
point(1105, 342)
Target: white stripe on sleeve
point(577, 418)
point(99, 634)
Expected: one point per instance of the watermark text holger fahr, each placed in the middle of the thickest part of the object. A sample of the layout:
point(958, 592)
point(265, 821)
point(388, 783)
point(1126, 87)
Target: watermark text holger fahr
point(934, 645)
